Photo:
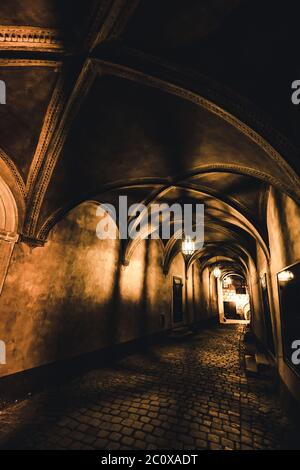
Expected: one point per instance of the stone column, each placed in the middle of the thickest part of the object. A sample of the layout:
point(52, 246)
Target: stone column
point(7, 243)
point(220, 300)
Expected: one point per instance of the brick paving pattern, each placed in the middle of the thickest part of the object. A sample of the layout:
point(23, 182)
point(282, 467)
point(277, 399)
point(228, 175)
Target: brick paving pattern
point(181, 394)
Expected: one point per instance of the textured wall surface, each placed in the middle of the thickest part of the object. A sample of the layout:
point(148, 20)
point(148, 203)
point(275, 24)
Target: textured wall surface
point(283, 221)
point(73, 295)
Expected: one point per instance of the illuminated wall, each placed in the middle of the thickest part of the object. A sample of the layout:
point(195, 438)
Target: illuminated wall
point(283, 222)
point(74, 296)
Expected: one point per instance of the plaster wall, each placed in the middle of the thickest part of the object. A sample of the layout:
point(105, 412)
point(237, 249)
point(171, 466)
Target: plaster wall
point(74, 296)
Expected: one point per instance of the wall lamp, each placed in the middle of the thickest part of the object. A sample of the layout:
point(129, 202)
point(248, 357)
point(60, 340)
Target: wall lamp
point(285, 276)
point(217, 272)
point(188, 246)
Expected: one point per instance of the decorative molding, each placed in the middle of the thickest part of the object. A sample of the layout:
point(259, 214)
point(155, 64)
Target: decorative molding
point(119, 21)
point(164, 183)
point(51, 120)
point(208, 258)
point(15, 173)
point(109, 20)
point(6, 250)
point(28, 38)
point(244, 170)
point(229, 200)
point(233, 252)
point(31, 241)
point(219, 93)
point(60, 213)
point(29, 63)
point(130, 244)
point(10, 237)
point(135, 75)
point(224, 227)
point(82, 86)
point(96, 20)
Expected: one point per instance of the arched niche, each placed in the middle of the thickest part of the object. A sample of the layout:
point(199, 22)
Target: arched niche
point(8, 228)
point(8, 209)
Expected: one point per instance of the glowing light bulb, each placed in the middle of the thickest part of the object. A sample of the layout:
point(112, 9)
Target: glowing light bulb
point(285, 276)
point(217, 273)
point(188, 246)
point(227, 281)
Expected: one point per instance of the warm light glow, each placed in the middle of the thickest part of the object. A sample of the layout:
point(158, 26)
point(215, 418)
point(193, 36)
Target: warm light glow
point(188, 246)
point(263, 282)
point(217, 273)
point(227, 281)
point(285, 276)
point(240, 299)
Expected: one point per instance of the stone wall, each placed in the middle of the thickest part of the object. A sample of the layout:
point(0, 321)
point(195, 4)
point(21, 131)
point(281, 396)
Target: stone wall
point(283, 222)
point(74, 296)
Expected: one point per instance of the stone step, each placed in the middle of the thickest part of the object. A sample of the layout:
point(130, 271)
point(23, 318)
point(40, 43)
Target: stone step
point(261, 359)
point(250, 364)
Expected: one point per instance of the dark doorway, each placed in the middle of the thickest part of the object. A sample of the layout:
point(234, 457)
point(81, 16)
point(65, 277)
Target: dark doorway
point(267, 315)
point(235, 298)
point(177, 300)
point(230, 310)
point(290, 317)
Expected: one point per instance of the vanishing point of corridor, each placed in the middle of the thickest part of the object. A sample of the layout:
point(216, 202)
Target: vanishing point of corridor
point(185, 393)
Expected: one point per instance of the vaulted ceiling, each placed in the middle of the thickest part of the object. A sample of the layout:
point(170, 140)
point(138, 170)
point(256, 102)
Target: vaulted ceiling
point(173, 101)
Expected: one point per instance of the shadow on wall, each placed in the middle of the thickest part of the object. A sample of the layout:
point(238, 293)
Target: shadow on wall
point(73, 296)
point(284, 229)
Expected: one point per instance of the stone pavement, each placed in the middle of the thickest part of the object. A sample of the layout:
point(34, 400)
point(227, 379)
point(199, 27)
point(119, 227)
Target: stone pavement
point(180, 394)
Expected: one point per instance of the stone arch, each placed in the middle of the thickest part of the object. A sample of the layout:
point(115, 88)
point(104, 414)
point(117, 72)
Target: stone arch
point(180, 85)
point(9, 223)
point(8, 210)
point(13, 194)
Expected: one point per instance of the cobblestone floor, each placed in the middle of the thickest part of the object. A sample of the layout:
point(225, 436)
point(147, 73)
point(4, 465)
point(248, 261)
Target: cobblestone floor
point(181, 394)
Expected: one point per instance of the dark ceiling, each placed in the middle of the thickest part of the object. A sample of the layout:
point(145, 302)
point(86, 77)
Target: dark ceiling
point(187, 99)
point(69, 16)
point(249, 45)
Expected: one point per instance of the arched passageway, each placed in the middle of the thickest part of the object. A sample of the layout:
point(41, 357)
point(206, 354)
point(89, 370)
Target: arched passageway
point(9, 221)
point(233, 297)
point(149, 194)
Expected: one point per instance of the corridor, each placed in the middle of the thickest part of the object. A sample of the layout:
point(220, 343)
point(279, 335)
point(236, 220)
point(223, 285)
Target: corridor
point(149, 191)
point(185, 393)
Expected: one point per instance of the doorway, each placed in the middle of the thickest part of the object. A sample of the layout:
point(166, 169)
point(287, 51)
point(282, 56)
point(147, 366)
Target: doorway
point(267, 315)
point(235, 296)
point(177, 300)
